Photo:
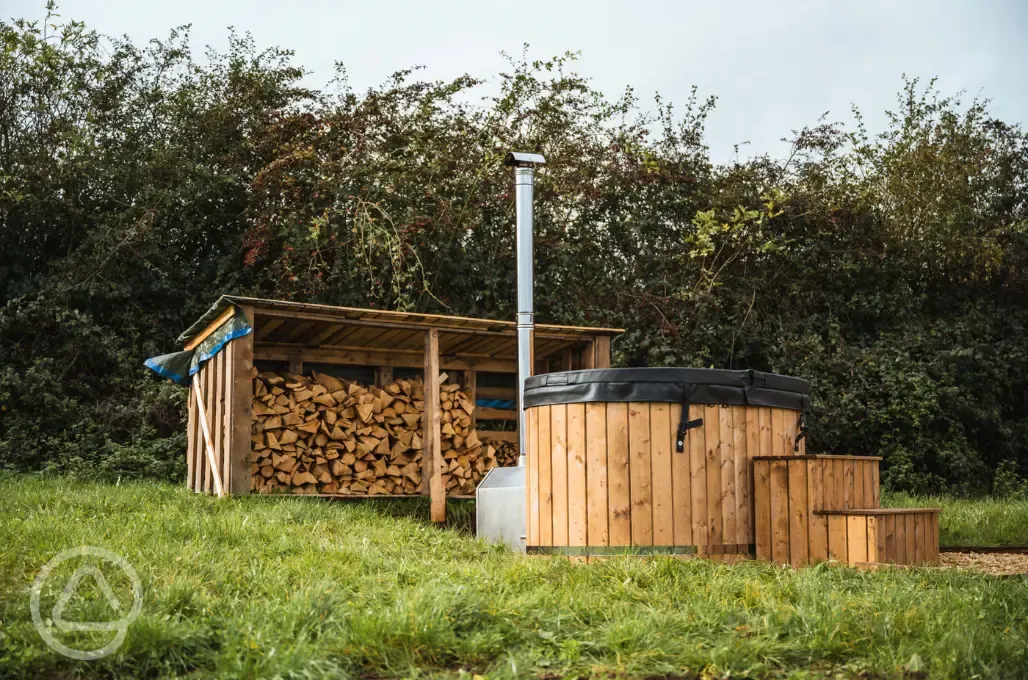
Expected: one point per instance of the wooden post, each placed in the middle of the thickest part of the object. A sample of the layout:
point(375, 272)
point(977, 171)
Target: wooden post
point(470, 383)
point(383, 375)
point(240, 400)
point(432, 472)
point(296, 364)
point(588, 356)
point(565, 360)
point(601, 347)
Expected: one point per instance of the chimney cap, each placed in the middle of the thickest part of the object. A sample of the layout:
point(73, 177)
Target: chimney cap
point(523, 160)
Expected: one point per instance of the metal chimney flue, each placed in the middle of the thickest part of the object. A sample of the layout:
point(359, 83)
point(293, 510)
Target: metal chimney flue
point(500, 508)
point(524, 183)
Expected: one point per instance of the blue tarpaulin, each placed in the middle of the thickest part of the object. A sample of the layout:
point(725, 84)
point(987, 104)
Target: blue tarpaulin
point(180, 366)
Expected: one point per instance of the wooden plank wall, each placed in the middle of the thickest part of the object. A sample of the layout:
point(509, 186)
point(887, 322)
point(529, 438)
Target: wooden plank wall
point(907, 536)
point(607, 474)
point(790, 492)
point(219, 389)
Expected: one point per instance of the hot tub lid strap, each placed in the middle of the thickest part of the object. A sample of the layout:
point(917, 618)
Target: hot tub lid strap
point(801, 431)
point(684, 424)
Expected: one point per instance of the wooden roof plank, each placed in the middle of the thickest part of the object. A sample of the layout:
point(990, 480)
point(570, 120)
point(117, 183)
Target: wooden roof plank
point(264, 329)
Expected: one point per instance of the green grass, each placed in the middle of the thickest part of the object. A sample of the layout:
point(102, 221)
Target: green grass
point(289, 587)
point(980, 522)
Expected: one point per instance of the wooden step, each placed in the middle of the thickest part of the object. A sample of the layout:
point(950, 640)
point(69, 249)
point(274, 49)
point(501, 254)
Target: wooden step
point(789, 491)
point(907, 536)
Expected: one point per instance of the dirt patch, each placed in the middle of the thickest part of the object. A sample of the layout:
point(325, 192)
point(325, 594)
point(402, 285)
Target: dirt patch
point(999, 564)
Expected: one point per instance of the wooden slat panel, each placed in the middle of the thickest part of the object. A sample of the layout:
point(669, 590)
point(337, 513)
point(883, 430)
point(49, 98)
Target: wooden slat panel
point(698, 477)
point(191, 427)
point(849, 484)
point(510, 393)
point(791, 422)
point(559, 471)
point(764, 418)
point(799, 527)
point(876, 484)
point(858, 485)
point(779, 512)
point(487, 413)
point(198, 468)
point(640, 473)
point(743, 484)
point(919, 538)
point(712, 461)
point(661, 441)
point(869, 483)
point(578, 521)
point(545, 476)
point(778, 435)
point(816, 501)
point(889, 531)
point(827, 497)
point(224, 428)
point(532, 475)
point(856, 538)
point(901, 538)
point(596, 472)
point(729, 507)
point(210, 380)
point(618, 484)
point(882, 530)
point(762, 508)
point(681, 484)
point(844, 483)
point(837, 539)
point(935, 538)
point(872, 539)
point(908, 538)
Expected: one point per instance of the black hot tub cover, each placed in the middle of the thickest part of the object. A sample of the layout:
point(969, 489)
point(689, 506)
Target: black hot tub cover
point(676, 385)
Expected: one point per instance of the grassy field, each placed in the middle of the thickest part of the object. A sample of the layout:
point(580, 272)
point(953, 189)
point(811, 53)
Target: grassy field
point(260, 587)
point(980, 522)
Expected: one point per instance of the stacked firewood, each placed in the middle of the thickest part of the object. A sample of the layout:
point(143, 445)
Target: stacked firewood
point(322, 435)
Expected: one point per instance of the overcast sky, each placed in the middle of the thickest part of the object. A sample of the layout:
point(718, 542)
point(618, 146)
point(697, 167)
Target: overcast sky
point(774, 66)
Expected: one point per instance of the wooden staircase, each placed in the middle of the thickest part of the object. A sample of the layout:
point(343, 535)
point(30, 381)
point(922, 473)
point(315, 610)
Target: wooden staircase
point(808, 509)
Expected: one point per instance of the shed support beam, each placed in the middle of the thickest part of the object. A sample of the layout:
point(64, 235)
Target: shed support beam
point(601, 358)
point(432, 443)
point(360, 357)
point(240, 409)
point(587, 359)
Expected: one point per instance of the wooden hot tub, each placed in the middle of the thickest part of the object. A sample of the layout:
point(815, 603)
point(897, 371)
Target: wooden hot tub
point(608, 471)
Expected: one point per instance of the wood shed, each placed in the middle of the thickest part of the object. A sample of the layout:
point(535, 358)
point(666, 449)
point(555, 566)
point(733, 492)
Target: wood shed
point(241, 337)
